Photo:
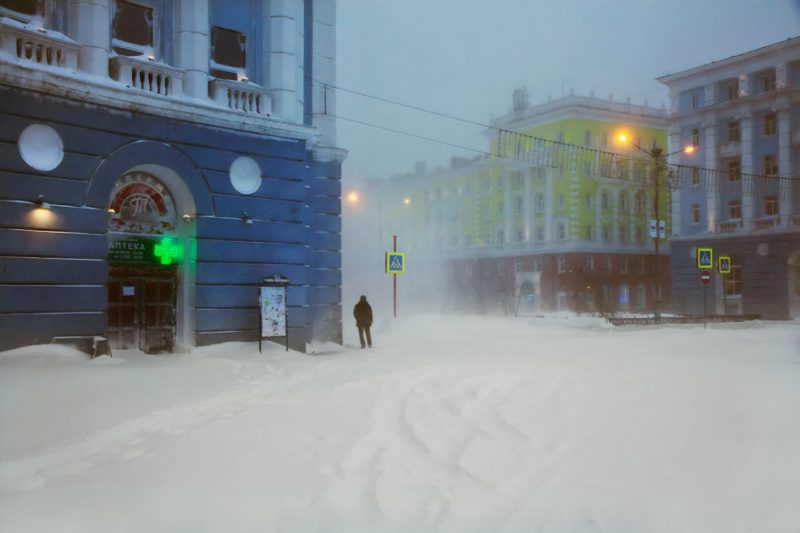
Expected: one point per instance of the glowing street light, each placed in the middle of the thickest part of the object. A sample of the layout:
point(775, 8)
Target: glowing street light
point(406, 201)
point(353, 197)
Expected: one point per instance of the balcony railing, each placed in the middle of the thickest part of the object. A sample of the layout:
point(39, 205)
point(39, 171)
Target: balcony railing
point(148, 76)
point(37, 47)
point(730, 149)
point(241, 96)
point(729, 227)
point(766, 222)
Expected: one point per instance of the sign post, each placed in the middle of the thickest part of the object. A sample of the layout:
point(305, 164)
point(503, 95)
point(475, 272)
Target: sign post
point(705, 279)
point(272, 309)
point(395, 264)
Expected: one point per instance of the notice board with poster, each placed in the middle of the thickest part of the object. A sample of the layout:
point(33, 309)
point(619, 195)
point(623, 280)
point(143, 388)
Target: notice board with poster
point(272, 309)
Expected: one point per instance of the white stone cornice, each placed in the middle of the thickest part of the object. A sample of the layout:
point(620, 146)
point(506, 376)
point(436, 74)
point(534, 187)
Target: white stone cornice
point(329, 153)
point(102, 91)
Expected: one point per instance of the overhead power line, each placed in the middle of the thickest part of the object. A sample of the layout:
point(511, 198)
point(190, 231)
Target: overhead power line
point(542, 152)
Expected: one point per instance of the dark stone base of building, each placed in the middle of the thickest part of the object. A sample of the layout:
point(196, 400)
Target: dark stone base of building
point(55, 272)
point(764, 279)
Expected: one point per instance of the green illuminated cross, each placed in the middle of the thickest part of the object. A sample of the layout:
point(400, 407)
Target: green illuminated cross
point(166, 250)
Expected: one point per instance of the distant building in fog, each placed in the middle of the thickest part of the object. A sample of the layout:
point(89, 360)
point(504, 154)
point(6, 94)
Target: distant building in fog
point(552, 238)
point(743, 115)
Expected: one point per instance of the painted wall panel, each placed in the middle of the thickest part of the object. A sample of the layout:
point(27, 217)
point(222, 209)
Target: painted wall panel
point(79, 220)
point(222, 296)
point(274, 188)
point(52, 298)
point(28, 187)
point(77, 140)
point(39, 328)
point(326, 241)
point(238, 273)
point(330, 278)
point(277, 210)
point(326, 186)
point(260, 230)
point(327, 259)
point(52, 244)
point(244, 251)
point(19, 270)
point(73, 166)
point(327, 222)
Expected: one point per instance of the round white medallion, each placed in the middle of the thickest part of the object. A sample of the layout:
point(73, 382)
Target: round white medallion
point(245, 175)
point(40, 146)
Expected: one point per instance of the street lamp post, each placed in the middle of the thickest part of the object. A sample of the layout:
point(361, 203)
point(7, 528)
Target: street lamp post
point(657, 161)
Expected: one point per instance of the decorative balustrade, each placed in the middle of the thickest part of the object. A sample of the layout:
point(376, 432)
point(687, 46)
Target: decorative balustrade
point(729, 227)
point(148, 76)
point(766, 222)
point(37, 47)
point(241, 96)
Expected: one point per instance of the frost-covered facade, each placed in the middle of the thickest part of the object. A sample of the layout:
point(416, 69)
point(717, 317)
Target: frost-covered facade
point(743, 116)
point(537, 236)
point(157, 160)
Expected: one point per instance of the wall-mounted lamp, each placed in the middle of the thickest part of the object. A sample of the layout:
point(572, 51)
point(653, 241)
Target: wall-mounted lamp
point(111, 211)
point(151, 58)
point(188, 217)
point(246, 218)
point(40, 203)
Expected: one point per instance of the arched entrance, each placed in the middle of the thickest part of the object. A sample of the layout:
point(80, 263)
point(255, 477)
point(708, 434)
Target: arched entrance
point(150, 231)
point(794, 285)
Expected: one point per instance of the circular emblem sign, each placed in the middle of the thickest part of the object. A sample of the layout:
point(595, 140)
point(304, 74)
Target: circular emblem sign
point(141, 204)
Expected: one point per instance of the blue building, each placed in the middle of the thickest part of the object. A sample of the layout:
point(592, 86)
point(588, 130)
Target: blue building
point(742, 115)
point(157, 160)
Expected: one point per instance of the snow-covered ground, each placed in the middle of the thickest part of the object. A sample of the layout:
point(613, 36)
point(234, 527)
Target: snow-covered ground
point(458, 424)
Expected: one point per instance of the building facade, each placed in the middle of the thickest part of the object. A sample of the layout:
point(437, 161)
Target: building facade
point(158, 160)
point(743, 116)
point(544, 237)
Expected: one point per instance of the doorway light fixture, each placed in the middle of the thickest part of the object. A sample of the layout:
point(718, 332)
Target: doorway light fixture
point(247, 219)
point(41, 203)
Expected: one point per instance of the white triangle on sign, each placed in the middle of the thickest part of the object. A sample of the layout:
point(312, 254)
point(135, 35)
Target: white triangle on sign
point(395, 265)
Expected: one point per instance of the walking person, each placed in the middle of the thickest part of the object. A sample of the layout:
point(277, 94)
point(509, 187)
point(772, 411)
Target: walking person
point(363, 315)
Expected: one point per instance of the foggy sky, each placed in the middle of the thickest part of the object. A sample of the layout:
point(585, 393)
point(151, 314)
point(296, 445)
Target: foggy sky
point(465, 57)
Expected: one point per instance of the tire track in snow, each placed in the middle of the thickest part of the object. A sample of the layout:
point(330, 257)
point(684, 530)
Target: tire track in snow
point(128, 440)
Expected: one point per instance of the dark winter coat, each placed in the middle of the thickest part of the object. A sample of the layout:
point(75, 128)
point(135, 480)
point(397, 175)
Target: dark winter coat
point(363, 314)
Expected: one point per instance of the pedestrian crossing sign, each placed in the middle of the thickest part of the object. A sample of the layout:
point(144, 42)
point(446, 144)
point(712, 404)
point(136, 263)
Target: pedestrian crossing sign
point(724, 265)
point(705, 258)
point(395, 263)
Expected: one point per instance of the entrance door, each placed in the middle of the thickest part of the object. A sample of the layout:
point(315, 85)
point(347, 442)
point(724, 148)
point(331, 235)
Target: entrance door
point(142, 308)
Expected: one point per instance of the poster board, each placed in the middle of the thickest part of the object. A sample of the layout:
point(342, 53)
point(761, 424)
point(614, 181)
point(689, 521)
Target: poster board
point(272, 305)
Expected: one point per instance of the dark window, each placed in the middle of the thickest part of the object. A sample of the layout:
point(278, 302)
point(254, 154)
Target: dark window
point(734, 170)
point(695, 213)
point(771, 206)
point(228, 53)
point(770, 124)
point(733, 131)
point(695, 177)
point(25, 7)
point(735, 208)
point(696, 137)
point(132, 29)
point(770, 165)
